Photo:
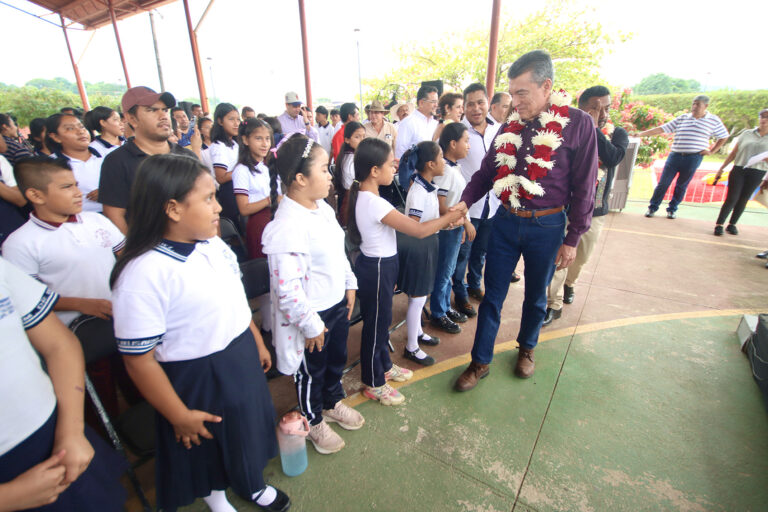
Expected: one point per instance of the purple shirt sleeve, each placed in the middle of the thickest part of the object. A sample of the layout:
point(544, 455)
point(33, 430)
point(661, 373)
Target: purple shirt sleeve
point(583, 176)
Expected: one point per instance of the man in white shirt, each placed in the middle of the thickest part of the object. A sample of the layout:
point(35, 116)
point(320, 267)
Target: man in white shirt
point(420, 125)
point(325, 130)
point(482, 129)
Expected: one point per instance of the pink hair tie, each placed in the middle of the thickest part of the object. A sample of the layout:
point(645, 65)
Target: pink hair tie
point(274, 152)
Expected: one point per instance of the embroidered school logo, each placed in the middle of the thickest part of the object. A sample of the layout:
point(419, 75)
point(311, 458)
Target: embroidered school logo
point(232, 260)
point(102, 237)
point(6, 307)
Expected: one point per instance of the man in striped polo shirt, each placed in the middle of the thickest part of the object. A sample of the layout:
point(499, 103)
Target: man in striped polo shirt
point(692, 135)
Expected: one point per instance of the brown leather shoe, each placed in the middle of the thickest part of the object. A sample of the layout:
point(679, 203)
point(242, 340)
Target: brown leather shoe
point(525, 363)
point(473, 373)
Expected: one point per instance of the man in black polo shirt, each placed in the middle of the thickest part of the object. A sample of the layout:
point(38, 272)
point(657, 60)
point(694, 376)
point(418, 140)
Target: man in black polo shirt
point(149, 114)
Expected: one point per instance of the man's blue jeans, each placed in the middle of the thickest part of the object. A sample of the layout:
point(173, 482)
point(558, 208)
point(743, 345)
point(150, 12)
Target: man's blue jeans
point(471, 259)
point(450, 241)
point(677, 163)
point(537, 240)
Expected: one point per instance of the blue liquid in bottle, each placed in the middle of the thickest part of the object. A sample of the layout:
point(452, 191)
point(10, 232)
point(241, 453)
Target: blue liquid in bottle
point(294, 463)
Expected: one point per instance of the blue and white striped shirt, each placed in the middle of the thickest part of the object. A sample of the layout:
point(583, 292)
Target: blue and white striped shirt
point(692, 135)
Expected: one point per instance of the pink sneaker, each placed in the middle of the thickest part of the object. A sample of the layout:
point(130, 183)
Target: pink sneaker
point(345, 416)
point(398, 374)
point(386, 395)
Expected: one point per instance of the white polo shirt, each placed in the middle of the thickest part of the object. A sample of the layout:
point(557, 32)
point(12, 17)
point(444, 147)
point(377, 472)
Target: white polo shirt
point(184, 300)
point(325, 136)
point(691, 134)
point(413, 129)
point(451, 184)
point(74, 259)
point(422, 200)
point(104, 147)
point(378, 239)
point(255, 185)
point(27, 399)
point(478, 147)
point(348, 170)
point(6, 172)
point(87, 173)
point(222, 155)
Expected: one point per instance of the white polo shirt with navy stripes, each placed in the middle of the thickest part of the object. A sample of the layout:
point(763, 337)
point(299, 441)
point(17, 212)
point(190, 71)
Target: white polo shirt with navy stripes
point(27, 399)
point(88, 174)
point(223, 156)
point(422, 200)
point(74, 259)
point(185, 301)
point(692, 135)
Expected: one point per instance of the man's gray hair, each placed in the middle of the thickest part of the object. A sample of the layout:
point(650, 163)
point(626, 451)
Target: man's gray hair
point(702, 98)
point(538, 62)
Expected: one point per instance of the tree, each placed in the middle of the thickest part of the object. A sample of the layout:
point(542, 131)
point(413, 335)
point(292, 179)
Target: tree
point(27, 103)
point(62, 84)
point(575, 41)
point(665, 84)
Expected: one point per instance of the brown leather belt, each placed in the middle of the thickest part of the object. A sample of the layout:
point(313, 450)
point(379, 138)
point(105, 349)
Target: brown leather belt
point(527, 214)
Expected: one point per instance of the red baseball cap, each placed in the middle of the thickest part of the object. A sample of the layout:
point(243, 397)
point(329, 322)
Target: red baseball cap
point(145, 97)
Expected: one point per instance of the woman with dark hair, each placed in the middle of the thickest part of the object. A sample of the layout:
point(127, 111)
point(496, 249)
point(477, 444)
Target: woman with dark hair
point(344, 171)
point(37, 136)
point(450, 108)
point(312, 288)
point(277, 129)
point(205, 125)
point(69, 140)
point(223, 153)
point(106, 129)
point(184, 328)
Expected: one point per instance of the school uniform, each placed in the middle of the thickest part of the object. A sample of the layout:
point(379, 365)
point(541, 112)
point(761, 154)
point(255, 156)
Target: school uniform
point(74, 258)
point(104, 147)
point(309, 277)
point(418, 257)
point(11, 217)
point(347, 170)
point(186, 301)
point(28, 421)
point(450, 185)
point(255, 184)
point(376, 269)
point(87, 173)
point(226, 157)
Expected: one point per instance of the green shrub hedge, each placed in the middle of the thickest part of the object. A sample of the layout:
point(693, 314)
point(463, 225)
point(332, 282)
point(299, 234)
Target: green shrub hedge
point(737, 109)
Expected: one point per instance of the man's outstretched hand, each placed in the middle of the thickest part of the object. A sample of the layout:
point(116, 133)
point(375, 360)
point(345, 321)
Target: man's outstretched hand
point(565, 256)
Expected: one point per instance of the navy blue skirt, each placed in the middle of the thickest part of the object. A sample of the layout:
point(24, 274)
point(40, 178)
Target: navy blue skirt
point(230, 384)
point(98, 489)
point(418, 264)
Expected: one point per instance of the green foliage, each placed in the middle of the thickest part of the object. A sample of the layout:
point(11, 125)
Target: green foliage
point(62, 84)
point(569, 33)
point(27, 103)
point(665, 84)
point(737, 109)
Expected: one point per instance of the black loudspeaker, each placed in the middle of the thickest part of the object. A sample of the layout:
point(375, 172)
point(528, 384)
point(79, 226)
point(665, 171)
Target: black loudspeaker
point(435, 83)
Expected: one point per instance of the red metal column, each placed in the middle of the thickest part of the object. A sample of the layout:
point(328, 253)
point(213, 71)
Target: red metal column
point(80, 86)
point(196, 58)
point(305, 50)
point(119, 45)
point(490, 77)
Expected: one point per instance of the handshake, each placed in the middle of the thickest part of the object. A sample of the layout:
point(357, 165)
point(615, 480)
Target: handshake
point(457, 214)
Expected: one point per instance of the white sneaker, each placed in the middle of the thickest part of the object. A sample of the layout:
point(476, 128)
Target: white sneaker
point(345, 416)
point(326, 441)
point(386, 395)
point(398, 374)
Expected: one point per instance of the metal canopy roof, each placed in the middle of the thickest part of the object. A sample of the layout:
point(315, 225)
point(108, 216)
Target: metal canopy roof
point(92, 14)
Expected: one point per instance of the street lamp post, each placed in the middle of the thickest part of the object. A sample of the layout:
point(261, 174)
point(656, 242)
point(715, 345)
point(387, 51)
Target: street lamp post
point(359, 72)
point(210, 70)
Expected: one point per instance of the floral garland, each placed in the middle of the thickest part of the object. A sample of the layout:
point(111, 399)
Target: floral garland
point(510, 187)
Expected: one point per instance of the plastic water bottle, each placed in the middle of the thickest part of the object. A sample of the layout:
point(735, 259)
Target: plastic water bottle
point(291, 436)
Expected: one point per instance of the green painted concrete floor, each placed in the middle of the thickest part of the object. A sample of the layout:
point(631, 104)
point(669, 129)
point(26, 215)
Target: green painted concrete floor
point(654, 416)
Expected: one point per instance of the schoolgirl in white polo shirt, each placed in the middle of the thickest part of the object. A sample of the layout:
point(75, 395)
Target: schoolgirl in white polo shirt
point(372, 225)
point(354, 132)
point(184, 328)
point(106, 129)
point(45, 452)
point(312, 287)
point(223, 153)
point(418, 257)
point(69, 140)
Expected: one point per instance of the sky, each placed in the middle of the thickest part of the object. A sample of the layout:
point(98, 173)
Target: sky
point(251, 49)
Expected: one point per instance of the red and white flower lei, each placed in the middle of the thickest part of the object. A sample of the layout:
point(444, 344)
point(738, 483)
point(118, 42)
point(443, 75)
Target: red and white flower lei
point(509, 187)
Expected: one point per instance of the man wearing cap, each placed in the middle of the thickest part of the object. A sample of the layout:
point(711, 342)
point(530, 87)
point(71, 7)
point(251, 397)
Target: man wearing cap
point(692, 134)
point(296, 117)
point(380, 128)
point(148, 113)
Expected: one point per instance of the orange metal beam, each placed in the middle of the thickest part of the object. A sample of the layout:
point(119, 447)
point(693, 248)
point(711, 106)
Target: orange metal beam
point(493, 52)
point(196, 58)
point(305, 50)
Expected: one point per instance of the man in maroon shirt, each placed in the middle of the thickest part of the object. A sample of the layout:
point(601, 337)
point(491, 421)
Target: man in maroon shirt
point(536, 174)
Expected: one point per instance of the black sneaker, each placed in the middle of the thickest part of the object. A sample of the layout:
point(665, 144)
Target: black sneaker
point(466, 308)
point(732, 229)
point(671, 215)
point(762, 255)
point(426, 361)
point(718, 230)
point(281, 503)
point(431, 341)
point(515, 277)
point(650, 213)
point(456, 316)
point(445, 324)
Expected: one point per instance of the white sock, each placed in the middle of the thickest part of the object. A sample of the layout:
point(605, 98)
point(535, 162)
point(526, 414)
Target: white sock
point(413, 321)
point(265, 497)
point(218, 502)
point(265, 308)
